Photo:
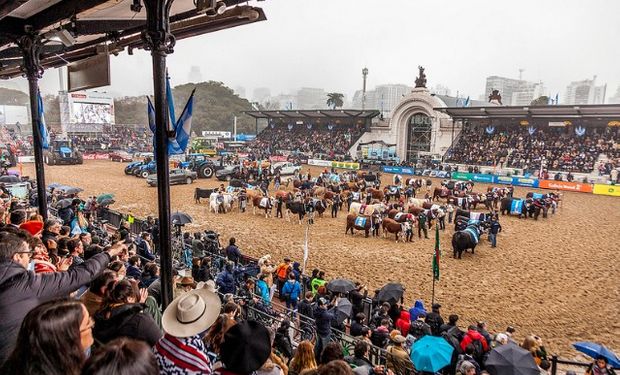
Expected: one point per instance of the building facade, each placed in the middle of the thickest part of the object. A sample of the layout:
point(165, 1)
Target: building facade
point(514, 91)
point(311, 98)
point(585, 92)
point(384, 97)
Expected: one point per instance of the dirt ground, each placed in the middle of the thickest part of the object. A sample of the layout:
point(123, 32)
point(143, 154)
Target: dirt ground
point(557, 278)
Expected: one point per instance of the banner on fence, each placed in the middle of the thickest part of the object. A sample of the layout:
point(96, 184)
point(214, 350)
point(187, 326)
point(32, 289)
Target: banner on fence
point(476, 177)
point(398, 170)
point(565, 185)
point(516, 181)
point(278, 158)
point(95, 156)
point(462, 176)
point(25, 159)
point(345, 165)
point(320, 163)
point(602, 189)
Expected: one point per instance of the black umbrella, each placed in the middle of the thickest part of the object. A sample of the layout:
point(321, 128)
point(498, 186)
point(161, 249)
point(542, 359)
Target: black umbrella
point(180, 218)
point(9, 179)
point(340, 286)
point(343, 310)
point(64, 203)
point(511, 359)
point(391, 292)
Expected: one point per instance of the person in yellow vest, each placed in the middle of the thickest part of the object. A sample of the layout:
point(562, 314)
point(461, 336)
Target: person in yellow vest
point(318, 282)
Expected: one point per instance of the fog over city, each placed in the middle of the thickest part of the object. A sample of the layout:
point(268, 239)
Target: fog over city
point(326, 43)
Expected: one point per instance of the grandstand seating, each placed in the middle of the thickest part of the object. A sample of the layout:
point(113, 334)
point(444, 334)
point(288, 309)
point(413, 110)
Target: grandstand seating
point(516, 148)
point(317, 140)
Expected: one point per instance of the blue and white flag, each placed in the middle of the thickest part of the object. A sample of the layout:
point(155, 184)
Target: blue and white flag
point(557, 99)
point(45, 135)
point(173, 118)
point(183, 128)
point(549, 100)
point(466, 104)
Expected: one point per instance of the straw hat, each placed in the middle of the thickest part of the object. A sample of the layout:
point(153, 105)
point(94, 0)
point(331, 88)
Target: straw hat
point(191, 313)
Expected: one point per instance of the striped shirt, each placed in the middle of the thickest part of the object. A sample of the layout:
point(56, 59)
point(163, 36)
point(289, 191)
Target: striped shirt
point(182, 356)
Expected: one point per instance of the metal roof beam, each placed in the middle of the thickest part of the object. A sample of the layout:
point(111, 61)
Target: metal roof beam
point(7, 6)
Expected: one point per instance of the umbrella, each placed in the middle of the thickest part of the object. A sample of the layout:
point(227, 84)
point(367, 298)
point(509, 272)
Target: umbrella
point(340, 286)
point(71, 189)
point(104, 197)
point(343, 309)
point(9, 179)
point(64, 203)
point(180, 218)
point(391, 292)
point(511, 359)
point(431, 354)
point(595, 350)
point(106, 202)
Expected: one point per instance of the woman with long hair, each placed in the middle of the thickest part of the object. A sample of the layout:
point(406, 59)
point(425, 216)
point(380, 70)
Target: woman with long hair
point(122, 315)
point(53, 340)
point(215, 335)
point(122, 357)
point(303, 359)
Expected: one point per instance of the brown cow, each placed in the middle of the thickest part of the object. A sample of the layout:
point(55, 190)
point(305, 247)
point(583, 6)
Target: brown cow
point(391, 226)
point(441, 192)
point(414, 210)
point(376, 194)
point(400, 217)
point(264, 203)
point(369, 224)
point(285, 195)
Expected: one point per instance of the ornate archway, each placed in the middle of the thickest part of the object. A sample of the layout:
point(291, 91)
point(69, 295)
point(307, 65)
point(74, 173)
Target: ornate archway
point(419, 132)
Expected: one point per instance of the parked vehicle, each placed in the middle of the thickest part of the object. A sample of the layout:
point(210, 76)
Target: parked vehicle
point(177, 176)
point(228, 173)
point(145, 170)
point(132, 167)
point(120, 156)
point(62, 152)
point(285, 168)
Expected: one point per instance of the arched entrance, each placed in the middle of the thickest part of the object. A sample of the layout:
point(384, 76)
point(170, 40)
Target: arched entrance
point(419, 130)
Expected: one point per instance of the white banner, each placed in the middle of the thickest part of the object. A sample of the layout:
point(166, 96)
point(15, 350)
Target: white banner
point(320, 163)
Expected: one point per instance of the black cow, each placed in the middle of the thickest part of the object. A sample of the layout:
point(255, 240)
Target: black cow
point(466, 239)
point(202, 193)
point(506, 203)
point(298, 208)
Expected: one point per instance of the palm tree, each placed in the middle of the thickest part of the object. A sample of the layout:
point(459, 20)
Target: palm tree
point(335, 100)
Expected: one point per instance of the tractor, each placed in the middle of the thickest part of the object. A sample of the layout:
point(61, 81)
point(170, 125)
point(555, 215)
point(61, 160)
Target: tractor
point(63, 152)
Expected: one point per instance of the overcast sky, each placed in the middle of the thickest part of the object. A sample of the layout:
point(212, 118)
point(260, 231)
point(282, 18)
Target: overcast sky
point(326, 43)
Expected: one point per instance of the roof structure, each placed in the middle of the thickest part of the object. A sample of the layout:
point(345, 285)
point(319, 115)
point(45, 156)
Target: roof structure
point(100, 26)
point(559, 112)
point(315, 114)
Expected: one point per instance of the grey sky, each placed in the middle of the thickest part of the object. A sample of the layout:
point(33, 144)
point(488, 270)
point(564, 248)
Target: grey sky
point(325, 43)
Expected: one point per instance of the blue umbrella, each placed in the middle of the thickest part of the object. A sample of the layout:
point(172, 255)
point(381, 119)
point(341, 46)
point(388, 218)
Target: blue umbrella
point(595, 350)
point(431, 354)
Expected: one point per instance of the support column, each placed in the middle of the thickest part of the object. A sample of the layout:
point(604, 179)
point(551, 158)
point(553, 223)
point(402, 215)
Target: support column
point(158, 39)
point(30, 45)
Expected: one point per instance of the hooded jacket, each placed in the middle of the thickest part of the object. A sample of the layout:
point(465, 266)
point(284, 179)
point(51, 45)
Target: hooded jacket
point(21, 291)
point(127, 320)
point(472, 336)
point(417, 308)
point(403, 323)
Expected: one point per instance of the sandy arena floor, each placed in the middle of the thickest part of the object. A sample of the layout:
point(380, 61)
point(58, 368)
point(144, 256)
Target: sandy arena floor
point(557, 278)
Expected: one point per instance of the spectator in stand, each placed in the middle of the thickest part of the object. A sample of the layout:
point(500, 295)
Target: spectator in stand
point(122, 315)
point(21, 291)
point(54, 339)
point(358, 325)
point(122, 357)
point(323, 319)
point(397, 357)
point(403, 322)
point(144, 247)
point(434, 319)
point(479, 343)
point(214, 337)
point(150, 275)
point(226, 281)
point(246, 347)
point(303, 358)
point(600, 366)
point(76, 251)
point(291, 292)
point(133, 268)
point(94, 296)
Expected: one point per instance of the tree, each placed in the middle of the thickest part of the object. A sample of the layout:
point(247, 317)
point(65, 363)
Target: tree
point(542, 100)
point(335, 100)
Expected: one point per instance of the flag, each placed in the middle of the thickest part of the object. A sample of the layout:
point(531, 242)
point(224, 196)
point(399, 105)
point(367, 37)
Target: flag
point(43, 133)
point(549, 100)
point(150, 110)
point(466, 102)
point(557, 98)
point(437, 255)
point(170, 99)
point(183, 129)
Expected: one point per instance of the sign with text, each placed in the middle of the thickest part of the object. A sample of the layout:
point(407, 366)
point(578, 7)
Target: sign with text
point(398, 170)
point(602, 189)
point(565, 186)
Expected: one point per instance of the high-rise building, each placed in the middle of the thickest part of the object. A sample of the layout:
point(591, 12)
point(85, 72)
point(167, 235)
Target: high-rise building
point(311, 98)
point(514, 91)
point(260, 94)
point(383, 97)
point(585, 92)
point(194, 75)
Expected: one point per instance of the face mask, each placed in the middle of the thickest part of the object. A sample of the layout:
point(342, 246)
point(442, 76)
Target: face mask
point(31, 266)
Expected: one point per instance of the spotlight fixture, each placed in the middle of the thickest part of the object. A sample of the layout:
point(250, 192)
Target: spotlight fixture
point(62, 35)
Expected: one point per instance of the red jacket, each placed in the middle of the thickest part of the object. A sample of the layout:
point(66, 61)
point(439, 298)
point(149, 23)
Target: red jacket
point(472, 336)
point(403, 322)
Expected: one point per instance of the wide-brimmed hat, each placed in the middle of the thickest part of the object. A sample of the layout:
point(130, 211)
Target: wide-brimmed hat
point(208, 285)
point(33, 227)
point(187, 281)
point(246, 347)
point(191, 313)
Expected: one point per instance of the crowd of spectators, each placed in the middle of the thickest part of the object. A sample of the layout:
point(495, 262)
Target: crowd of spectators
point(115, 138)
point(561, 148)
point(317, 140)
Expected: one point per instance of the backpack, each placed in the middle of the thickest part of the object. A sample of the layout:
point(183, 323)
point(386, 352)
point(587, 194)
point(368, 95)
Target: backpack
point(452, 339)
point(433, 321)
point(417, 329)
point(478, 350)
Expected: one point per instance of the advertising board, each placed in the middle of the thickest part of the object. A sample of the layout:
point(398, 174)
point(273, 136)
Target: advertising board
point(565, 186)
point(320, 163)
point(398, 170)
point(602, 189)
point(345, 165)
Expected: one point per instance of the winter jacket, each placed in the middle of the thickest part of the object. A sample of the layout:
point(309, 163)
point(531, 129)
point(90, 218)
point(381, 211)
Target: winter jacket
point(380, 336)
point(417, 308)
point(127, 320)
point(356, 329)
point(263, 290)
point(435, 321)
point(305, 308)
point(403, 323)
point(472, 336)
point(134, 272)
point(293, 289)
point(226, 282)
point(233, 253)
point(144, 250)
point(21, 291)
point(323, 319)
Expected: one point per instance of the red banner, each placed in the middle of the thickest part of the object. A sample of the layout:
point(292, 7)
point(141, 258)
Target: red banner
point(95, 156)
point(278, 158)
point(565, 185)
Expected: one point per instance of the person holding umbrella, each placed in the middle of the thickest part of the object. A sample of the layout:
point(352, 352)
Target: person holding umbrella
point(600, 366)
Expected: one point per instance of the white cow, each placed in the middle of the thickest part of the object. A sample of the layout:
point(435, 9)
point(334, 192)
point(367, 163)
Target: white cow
point(223, 205)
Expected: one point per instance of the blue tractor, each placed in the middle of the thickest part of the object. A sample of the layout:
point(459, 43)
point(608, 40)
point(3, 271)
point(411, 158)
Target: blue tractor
point(145, 170)
point(62, 152)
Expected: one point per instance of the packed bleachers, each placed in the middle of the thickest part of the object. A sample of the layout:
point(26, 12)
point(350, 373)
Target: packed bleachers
point(124, 138)
point(317, 140)
point(516, 148)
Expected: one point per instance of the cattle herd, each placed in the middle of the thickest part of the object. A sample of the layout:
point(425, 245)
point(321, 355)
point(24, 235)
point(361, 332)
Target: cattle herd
point(396, 209)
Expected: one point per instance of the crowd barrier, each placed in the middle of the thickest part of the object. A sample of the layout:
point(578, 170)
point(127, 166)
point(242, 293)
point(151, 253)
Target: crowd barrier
point(334, 164)
point(601, 189)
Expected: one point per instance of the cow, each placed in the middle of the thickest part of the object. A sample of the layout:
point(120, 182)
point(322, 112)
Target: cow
point(392, 226)
point(264, 203)
point(366, 210)
point(400, 217)
point(202, 193)
point(392, 191)
point(416, 202)
point(441, 192)
point(365, 223)
point(220, 202)
point(512, 206)
point(285, 195)
point(298, 208)
point(318, 205)
point(466, 239)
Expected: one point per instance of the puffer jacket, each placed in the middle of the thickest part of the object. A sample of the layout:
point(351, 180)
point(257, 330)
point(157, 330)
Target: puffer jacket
point(472, 336)
point(22, 290)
